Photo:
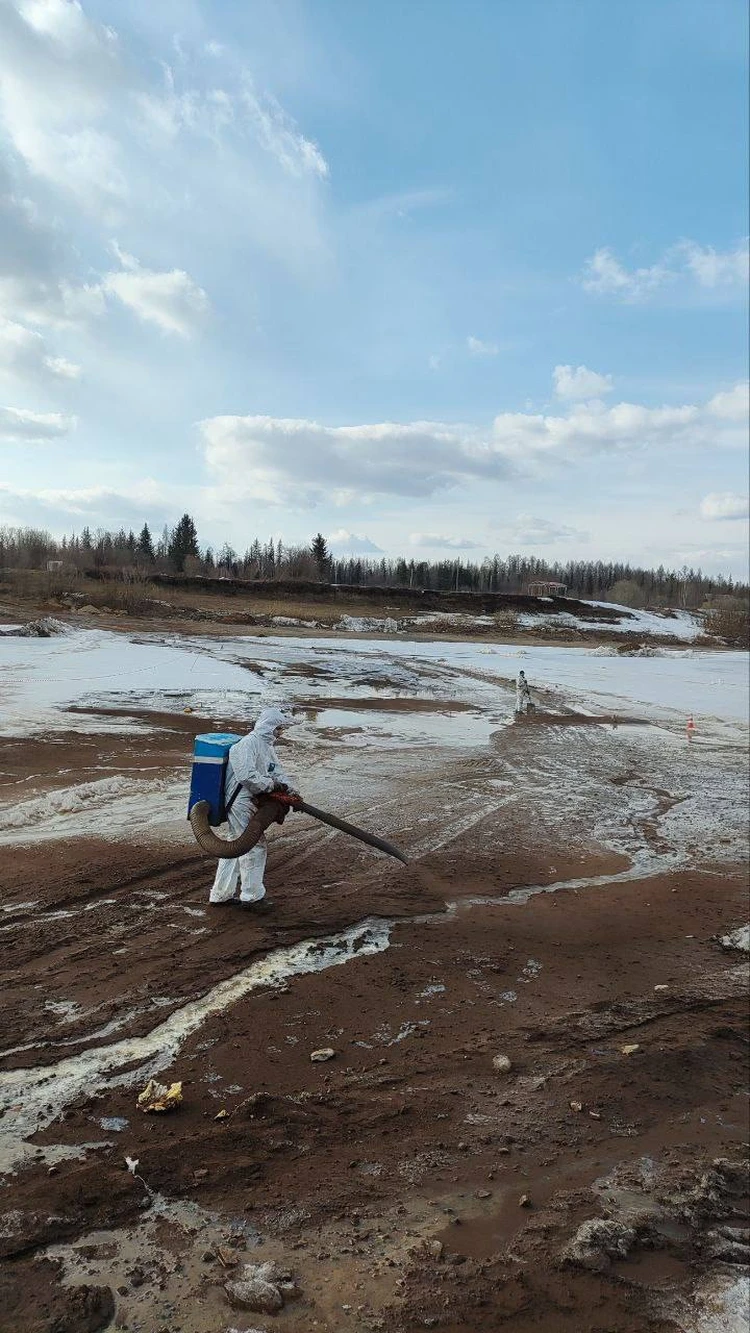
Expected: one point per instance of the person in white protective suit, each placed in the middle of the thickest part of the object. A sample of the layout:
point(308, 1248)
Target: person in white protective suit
point(523, 695)
point(254, 767)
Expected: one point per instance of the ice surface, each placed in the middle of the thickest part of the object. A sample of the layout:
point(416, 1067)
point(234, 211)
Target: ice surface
point(226, 679)
point(709, 684)
point(40, 677)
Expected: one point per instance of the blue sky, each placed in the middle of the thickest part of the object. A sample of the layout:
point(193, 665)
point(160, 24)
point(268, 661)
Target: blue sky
point(467, 275)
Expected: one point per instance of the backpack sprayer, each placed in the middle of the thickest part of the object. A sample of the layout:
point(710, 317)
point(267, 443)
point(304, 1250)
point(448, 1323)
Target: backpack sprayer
point(208, 806)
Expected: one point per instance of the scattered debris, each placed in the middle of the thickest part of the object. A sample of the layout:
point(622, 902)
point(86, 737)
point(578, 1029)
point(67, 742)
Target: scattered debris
point(730, 1245)
point(524, 1201)
point(664, 987)
point(158, 1097)
point(44, 628)
point(597, 1242)
point(576, 1106)
point(223, 1114)
point(325, 1053)
point(631, 1049)
point(262, 1288)
point(736, 939)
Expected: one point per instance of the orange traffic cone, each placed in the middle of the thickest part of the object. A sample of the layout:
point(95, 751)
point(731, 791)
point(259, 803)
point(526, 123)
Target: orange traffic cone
point(690, 729)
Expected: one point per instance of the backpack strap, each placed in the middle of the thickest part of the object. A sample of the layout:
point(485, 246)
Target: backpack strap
point(233, 797)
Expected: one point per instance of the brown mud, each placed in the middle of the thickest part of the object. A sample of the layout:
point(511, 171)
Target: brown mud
point(406, 1182)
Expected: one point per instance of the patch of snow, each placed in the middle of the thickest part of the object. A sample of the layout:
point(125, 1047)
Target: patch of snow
point(361, 624)
point(682, 625)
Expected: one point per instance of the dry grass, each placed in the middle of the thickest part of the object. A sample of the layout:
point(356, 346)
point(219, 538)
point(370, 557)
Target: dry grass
point(37, 591)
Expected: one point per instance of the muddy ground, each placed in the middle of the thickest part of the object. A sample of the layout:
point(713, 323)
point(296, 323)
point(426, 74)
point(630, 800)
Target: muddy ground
point(411, 1180)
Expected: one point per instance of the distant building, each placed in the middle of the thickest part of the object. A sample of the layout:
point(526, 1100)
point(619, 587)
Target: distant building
point(54, 566)
point(547, 589)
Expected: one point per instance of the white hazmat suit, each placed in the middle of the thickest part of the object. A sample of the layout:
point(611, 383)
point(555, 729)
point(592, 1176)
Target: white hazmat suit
point(254, 767)
point(523, 694)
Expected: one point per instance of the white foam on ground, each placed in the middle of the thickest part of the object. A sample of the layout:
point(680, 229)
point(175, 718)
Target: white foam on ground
point(39, 1095)
point(107, 808)
point(720, 1305)
point(737, 939)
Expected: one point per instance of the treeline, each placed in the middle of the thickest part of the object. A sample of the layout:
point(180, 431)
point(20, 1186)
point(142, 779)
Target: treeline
point(177, 550)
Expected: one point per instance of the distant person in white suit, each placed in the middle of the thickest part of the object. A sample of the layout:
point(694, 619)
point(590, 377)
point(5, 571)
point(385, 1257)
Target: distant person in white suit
point(523, 696)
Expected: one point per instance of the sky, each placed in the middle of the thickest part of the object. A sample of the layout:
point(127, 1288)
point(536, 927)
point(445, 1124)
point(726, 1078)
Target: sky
point(436, 279)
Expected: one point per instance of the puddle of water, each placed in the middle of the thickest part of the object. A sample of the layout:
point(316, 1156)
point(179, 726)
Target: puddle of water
point(37, 1096)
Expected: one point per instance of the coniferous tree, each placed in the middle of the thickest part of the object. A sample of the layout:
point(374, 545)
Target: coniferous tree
point(145, 545)
point(320, 555)
point(183, 542)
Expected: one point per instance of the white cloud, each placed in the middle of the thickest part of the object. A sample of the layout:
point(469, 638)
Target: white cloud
point(352, 543)
point(580, 383)
point(306, 463)
point(58, 73)
point(733, 404)
point(478, 348)
point(434, 362)
point(171, 300)
point(726, 271)
point(603, 273)
point(59, 366)
point(24, 355)
point(529, 531)
point(711, 268)
point(20, 426)
point(280, 136)
point(36, 281)
point(591, 429)
point(92, 119)
point(64, 508)
point(437, 541)
point(725, 505)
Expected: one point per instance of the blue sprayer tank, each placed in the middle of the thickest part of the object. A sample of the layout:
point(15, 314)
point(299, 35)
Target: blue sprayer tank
point(210, 758)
